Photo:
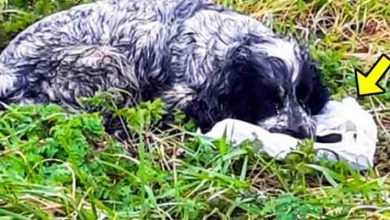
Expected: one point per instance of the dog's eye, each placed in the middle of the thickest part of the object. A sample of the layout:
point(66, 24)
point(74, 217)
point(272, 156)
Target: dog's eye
point(304, 106)
point(302, 103)
point(278, 107)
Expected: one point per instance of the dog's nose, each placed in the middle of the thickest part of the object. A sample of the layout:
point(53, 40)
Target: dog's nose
point(300, 131)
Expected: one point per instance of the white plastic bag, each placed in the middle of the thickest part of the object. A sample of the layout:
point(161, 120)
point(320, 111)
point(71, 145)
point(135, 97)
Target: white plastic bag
point(346, 118)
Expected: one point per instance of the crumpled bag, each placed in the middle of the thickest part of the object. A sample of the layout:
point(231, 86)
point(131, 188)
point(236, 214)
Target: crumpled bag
point(354, 127)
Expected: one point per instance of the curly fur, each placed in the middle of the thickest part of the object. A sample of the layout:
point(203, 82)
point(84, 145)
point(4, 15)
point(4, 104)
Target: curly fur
point(209, 61)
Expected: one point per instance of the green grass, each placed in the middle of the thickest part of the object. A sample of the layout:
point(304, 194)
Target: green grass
point(60, 165)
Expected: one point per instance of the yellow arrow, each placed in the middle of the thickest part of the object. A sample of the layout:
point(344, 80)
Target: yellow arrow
point(367, 84)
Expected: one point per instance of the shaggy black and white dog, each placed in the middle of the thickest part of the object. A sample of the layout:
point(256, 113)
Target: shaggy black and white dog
point(209, 61)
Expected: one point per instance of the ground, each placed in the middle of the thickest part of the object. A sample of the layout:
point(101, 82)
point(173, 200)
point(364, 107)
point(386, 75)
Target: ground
point(56, 164)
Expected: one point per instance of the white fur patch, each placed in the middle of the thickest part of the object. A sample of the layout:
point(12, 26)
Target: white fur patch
point(286, 51)
point(178, 96)
point(277, 122)
point(6, 83)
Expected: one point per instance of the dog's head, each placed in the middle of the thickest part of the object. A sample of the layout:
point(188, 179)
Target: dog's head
point(276, 85)
point(270, 83)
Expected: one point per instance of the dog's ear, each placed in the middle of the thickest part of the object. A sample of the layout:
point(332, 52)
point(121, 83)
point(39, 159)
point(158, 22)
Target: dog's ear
point(227, 92)
point(244, 66)
point(310, 89)
point(248, 77)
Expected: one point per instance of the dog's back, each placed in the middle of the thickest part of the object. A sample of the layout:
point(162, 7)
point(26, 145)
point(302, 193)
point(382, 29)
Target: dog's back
point(89, 48)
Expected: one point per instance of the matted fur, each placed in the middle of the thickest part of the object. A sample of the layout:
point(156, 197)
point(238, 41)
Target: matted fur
point(209, 61)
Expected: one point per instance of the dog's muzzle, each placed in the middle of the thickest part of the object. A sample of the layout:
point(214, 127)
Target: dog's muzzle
point(293, 122)
point(300, 131)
